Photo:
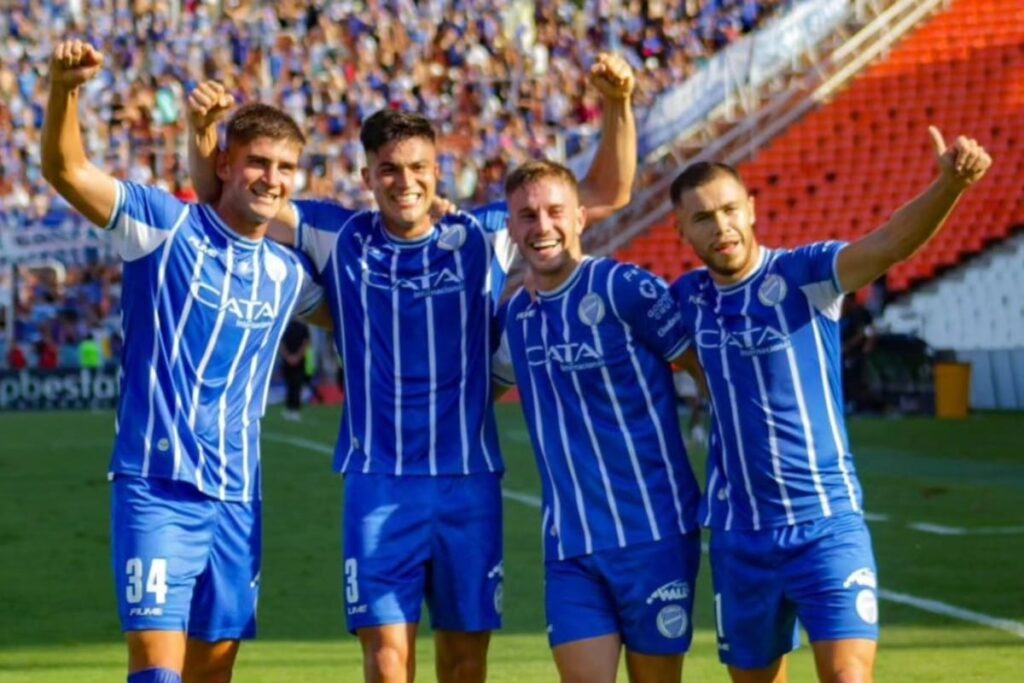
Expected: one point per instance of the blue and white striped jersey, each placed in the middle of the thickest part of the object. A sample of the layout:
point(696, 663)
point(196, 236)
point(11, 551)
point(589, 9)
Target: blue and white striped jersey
point(590, 360)
point(203, 314)
point(770, 349)
point(413, 330)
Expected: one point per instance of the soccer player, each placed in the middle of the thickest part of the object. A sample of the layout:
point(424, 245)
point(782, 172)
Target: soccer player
point(788, 535)
point(206, 300)
point(413, 301)
point(590, 352)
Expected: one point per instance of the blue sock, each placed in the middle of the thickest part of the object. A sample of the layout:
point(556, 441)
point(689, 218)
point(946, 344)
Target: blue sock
point(155, 676)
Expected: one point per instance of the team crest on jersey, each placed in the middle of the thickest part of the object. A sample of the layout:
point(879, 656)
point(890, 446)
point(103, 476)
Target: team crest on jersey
point(591, 309)
point(772, 291)
point(452, 238)
point(672, 621)
point(277, 271)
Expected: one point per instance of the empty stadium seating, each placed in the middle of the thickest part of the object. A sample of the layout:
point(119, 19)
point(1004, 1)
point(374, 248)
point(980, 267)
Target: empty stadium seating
point(845, 167)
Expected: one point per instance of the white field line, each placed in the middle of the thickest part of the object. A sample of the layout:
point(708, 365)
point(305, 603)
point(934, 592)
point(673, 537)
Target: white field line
point(942, 530)
point(933, 606)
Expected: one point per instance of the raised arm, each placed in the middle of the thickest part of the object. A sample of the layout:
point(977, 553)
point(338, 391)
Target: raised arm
point(608, 184)
point(208, 104)
point(91, 191)
point(960, 166)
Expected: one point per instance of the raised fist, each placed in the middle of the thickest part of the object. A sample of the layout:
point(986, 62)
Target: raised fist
point(208, 104)
point(612, 76)
point(73, 63)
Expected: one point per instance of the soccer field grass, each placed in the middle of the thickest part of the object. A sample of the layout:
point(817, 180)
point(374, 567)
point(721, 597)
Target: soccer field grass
point(946, 501)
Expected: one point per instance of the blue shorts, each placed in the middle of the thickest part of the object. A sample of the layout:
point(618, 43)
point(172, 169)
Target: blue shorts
point(642, 592)
point(415, 538)
point(820, 572)
point(184, 561)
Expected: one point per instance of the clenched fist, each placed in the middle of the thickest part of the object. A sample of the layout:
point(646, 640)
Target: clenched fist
point(208, 104)
point(73, 63)
point(612, 76)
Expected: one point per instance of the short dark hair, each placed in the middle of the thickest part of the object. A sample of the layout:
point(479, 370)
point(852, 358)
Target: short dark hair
point(539, 169)
point(700, 173)
point(390, 125)
point(257, 120)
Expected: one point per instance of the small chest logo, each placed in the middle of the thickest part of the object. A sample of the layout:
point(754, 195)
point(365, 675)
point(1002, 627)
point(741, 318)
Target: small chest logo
point(276, 270)
point(452, 238)
point(591, 309)
point(772, 291)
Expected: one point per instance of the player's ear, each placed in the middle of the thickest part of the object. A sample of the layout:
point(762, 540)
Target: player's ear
point(750, 208)
point(365, 173)
point(680, 226)
point(581, 218)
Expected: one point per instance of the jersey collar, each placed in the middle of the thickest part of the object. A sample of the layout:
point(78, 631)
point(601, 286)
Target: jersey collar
point(569, 282)
point(222, 228)
point(762, 262)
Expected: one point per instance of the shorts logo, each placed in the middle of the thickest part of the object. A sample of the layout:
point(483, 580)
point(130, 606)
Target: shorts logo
point(498, 572)
point(163, 444)
point(452, 238)
point(867, 606)
point(591, 309)
point(772, 291)
point(672, 621)
point(672, 591)
point(862, 577)
point(146, 612)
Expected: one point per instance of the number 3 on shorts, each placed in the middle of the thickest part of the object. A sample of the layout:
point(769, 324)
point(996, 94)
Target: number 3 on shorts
point(351, 578)
point(156, 581)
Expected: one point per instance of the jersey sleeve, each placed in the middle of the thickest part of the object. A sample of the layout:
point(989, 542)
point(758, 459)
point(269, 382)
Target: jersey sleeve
point(644, 302)
point(311, 293)
point(813, 268)
point(493, 218)
point(320, 223)
point(143, 218)
point(502, 371)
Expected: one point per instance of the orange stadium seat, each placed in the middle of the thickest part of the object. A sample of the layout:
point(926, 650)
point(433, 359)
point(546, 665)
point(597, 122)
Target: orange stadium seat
point(846, 167)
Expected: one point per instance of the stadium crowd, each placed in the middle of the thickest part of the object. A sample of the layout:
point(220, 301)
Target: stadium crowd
point(505, 81)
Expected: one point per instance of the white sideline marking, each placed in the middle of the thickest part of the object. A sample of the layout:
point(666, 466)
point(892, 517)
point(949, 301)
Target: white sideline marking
point(876, 517)
point(933, 606)
point(942, 530)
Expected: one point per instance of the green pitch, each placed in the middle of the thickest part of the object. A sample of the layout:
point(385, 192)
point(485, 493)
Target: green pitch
point(57, 609)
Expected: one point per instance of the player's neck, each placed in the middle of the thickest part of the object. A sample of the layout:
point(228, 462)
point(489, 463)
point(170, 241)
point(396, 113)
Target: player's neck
point(407, 233)
point(238, 225)
point(752, 264)
point(553, 281)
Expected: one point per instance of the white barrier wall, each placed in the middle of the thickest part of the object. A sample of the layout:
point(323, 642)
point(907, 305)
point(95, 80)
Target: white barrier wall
point(977, 310)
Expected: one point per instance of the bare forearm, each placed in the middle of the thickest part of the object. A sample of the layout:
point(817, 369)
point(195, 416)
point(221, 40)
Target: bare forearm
point(202, 163)
point(915, 223)
point(64, 162)
point(62, 148)
point(609, 182)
